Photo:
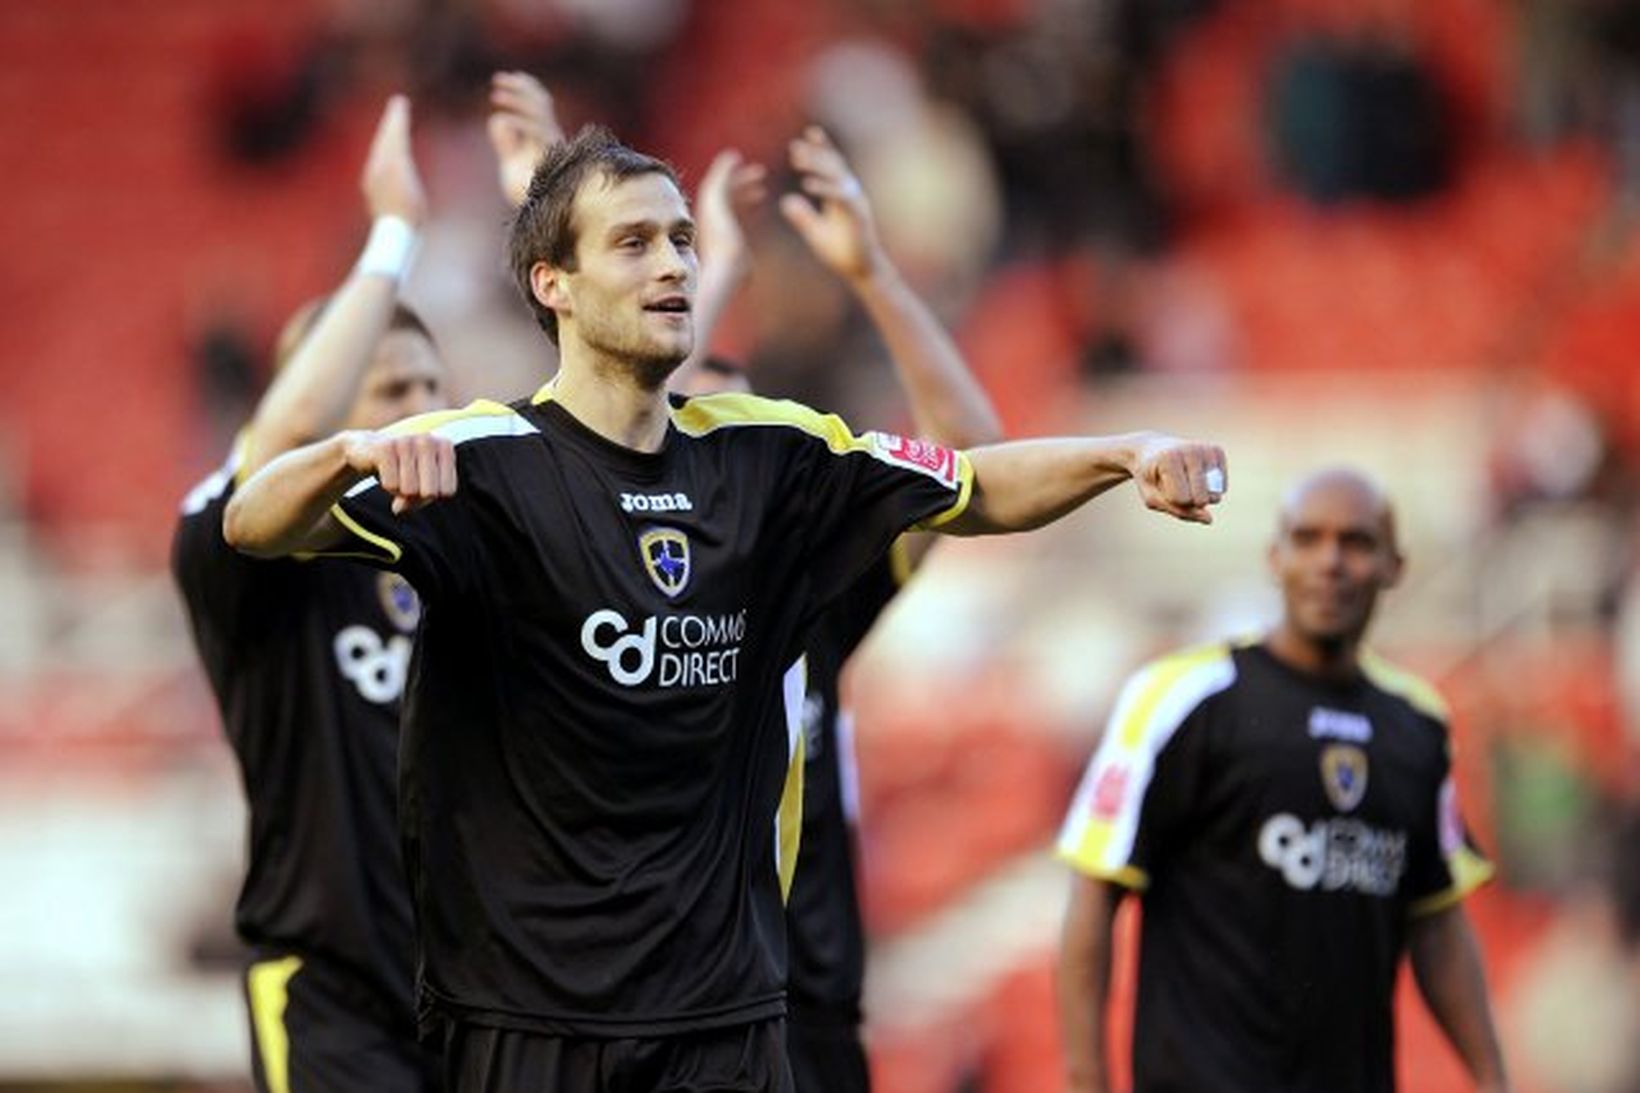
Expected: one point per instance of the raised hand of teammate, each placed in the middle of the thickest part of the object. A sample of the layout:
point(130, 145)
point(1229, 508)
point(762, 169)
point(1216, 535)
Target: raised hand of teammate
point(1180, 477)
point(390, 182)
point(729, 191)
point(415, 469)
point(841, 232)
point(522, 125)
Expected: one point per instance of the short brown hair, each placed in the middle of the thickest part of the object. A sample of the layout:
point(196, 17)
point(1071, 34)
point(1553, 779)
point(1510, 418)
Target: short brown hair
point(543, 230)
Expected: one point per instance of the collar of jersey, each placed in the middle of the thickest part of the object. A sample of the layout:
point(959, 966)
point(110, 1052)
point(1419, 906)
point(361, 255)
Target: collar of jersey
point(564, 424)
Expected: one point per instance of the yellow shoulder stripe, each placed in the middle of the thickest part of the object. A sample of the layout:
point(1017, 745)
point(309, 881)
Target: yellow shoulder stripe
point(426, 423)
point(1398, 681)
point(1160, 679)
point(708, 413)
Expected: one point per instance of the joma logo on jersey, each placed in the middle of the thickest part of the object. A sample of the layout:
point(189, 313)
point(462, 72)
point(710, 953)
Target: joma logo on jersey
point(918, 455)
point(1339, 725)
point(656, 502)
point(665, 558)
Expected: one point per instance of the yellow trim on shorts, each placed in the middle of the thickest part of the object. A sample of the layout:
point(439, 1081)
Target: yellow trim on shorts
point(268, 983)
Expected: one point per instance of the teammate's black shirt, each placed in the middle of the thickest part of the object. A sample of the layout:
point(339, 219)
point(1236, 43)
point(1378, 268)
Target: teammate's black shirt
point(595, 742)
point(307, 661)
point(1282, 830)
point(824, 932)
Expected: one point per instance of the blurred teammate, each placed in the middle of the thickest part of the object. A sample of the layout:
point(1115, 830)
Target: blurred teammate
point(825, 936)
point(1285, 810)
point(595, 745)
point(308, 661)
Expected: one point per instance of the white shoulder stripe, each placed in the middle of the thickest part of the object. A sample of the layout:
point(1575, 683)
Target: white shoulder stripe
point(459, 430)
point(1102, 826)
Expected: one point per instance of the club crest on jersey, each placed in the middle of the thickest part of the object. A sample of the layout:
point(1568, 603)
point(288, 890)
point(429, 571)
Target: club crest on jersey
point(1344, 775)
point(665, 554)
point(399, 601)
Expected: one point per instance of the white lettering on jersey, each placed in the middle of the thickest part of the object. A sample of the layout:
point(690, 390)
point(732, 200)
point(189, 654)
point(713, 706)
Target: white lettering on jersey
point(376, 668)
point(1339, 725)
point(656, 502)
point(1334, 855)
point(676, 650)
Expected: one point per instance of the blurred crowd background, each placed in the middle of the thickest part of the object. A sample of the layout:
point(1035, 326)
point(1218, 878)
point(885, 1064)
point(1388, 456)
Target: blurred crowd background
point(1398, 233)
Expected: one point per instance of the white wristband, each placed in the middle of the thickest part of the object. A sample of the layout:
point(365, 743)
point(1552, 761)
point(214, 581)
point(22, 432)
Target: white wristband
point(389, 250)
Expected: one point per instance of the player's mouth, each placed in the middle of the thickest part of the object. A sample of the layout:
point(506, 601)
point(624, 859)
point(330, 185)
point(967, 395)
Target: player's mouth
point(677, 305)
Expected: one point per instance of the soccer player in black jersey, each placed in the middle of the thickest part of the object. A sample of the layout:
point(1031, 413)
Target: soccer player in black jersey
point(1285, 811)
point(595, 746)
point(825, 935)
point(307, 661)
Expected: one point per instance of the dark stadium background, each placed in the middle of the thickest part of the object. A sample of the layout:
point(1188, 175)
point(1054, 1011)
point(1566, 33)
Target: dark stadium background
point(1394, 232)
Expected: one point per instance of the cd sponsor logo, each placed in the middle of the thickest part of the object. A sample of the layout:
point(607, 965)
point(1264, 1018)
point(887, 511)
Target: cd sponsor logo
point(669, 650)
point(377, 668)
point(1333, 855)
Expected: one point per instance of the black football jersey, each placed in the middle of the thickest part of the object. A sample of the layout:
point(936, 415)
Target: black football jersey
point(307, 661)
point(1281, 830)
point(596, 745)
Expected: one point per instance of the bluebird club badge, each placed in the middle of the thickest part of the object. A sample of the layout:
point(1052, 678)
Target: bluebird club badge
point(665, 554)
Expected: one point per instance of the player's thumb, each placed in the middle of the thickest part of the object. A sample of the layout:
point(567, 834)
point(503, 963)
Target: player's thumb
point(800, 214)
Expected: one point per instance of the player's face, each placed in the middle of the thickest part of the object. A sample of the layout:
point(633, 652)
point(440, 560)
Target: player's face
point(406, 378)
point(631, 296)
point(1334, 553)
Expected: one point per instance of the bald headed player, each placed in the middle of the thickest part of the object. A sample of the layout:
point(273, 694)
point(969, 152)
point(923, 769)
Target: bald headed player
point(1284, 810)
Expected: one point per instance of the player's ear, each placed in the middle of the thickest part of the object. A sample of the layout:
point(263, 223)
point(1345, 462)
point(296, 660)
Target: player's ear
point(547, 283)
point(1393, 569)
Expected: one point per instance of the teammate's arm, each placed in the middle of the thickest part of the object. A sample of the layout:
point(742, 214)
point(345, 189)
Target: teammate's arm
point(522, 126)
point(311, 395)
point(1446, 962)
point(1025, 484)
point(947, 404)
point(729, 187)
point(1084, 981)
point(285, 507)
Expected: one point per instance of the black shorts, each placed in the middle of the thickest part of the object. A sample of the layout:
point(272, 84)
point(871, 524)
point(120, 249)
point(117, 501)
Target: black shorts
point(827, 1053)
point(736, 1059)
point(316, 1029)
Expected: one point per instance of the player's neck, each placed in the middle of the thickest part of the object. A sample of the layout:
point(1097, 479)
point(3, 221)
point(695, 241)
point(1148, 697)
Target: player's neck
point(611, 402)
point(1330, 660)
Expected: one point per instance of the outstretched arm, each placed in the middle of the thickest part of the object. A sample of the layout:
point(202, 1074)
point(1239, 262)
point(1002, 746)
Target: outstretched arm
point(285, 507)
point(1446, 962)
point(311, 395)
point(1084, 982)
point(1025, 484)
point(947, 403)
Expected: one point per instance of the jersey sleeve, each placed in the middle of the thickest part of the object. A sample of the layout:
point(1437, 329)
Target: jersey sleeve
point(1136, 796)
point(434, 546)
point(857, 494)
point(1446, 865)
point(232, 592)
